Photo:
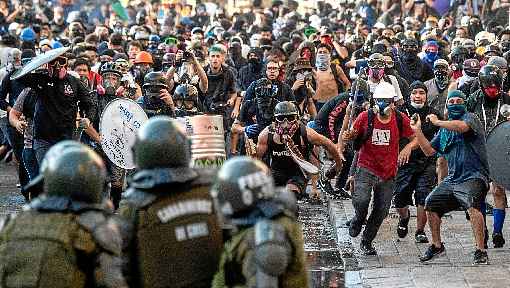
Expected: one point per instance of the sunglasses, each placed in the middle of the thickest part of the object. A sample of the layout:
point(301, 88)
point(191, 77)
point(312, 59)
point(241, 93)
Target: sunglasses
point(289, 118)
point(61, 61)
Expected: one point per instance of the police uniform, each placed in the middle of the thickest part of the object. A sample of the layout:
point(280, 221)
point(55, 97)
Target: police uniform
point(267, 249)
point(236, 267)
point(176, 239)
point(66, 237)
point(175, 236)
point(61, 243)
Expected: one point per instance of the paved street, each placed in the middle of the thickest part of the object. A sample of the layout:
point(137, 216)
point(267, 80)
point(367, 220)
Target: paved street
point(397, 263)
point(329, 249)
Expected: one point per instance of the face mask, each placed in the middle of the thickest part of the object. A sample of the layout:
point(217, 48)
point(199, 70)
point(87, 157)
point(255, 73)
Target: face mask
point(383, 106)
point(441, 78)
point(431, 56)
point(492, 92)
point(456, 111)
point(375, 73)
point(417, 106)
point(323, 62)
point(306, 54)
point(254, 61)
point(286, 127)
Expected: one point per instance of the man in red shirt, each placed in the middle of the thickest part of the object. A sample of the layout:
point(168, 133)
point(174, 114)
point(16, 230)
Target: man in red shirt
point(377, 132)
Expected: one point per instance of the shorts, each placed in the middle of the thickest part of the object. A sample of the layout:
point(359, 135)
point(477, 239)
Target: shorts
point(411, 179)
point(447, 197)
point(282, 179)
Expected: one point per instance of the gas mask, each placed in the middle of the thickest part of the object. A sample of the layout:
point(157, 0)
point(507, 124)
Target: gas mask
point(286, 124)
point(185, 105)
point(376, 73)
point(58, 68)
point(383, 106)
point(111, 82)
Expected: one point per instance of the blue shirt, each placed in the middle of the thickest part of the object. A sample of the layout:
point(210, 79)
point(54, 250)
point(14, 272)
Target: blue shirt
point(466, 154)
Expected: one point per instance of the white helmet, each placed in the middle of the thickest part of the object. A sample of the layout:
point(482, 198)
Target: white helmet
point(384, 91)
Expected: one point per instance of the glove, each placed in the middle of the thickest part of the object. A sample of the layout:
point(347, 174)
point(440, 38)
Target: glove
point(252, 131)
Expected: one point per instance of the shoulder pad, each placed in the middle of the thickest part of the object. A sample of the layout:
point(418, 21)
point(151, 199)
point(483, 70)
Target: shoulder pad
point(138, 198)
point(105, 230)
point(90, 219)
point(147, 179)
point(205, 177)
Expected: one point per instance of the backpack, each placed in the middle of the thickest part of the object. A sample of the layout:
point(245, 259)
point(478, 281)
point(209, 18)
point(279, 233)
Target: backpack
point(359, 141)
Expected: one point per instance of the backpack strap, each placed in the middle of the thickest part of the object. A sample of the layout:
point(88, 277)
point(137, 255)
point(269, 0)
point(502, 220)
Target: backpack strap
point(339, 83)
point(359, 141)
point(398, 115)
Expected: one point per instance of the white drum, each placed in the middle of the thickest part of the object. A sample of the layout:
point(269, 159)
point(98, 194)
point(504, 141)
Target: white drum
point(207, 140)
point(119, 124)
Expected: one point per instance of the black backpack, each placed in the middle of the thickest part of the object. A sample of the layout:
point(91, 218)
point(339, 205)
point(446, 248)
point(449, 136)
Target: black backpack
point(359, 141)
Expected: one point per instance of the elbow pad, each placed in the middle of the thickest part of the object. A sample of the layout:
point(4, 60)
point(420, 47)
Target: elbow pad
point(272, 253)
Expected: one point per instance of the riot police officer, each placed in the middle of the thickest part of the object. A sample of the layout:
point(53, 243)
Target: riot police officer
point(66, 237)
point(156, 99)
point(186, 101)
point(267, 250)
point(176, 237)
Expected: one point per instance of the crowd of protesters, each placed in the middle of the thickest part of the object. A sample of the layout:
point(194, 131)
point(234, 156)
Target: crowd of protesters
point(400, 94)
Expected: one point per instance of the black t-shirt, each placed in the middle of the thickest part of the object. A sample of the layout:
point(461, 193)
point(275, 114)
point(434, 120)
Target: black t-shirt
point(429, 130)
point(248, 112)
point(57, 106)
point(220, 86)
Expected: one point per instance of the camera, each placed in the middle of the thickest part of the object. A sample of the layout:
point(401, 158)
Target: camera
point(187, 55)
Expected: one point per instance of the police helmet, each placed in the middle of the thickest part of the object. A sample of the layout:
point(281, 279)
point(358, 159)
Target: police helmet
point(71, 169)
point(241, 183)
point(160, 143)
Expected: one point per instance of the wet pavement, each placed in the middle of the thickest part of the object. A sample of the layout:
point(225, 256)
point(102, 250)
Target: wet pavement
point(10, 198)
point(321, 250)
point(324, 260)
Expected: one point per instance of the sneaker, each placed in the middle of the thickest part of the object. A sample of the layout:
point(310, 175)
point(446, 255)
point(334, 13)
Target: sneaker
point(340, 194)
point(420, 237)
point(367, 248)
point(480, 258)
point(354, 228)
point(498, 240)
point(402, 228)
point(325, 186)
point(432, 252)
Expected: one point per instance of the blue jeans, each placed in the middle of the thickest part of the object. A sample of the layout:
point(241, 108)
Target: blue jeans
point(41, 147)
point(30, 162)
point(366, 184)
